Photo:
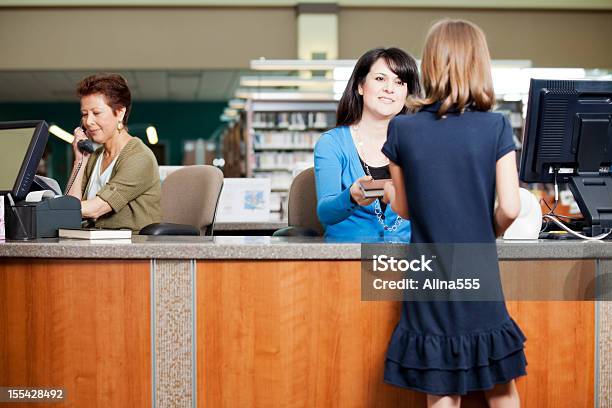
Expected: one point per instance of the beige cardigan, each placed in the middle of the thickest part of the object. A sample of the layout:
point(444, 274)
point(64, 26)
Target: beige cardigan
point(133, 190)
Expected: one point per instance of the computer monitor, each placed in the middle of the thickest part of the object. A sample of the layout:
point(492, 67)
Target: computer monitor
point(22, 145)
point(568, 139)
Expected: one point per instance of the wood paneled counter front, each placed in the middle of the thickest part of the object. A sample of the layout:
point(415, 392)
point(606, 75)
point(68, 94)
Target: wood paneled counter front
point(269, 322)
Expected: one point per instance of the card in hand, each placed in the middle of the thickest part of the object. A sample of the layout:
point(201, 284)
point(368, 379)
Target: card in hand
point(373, 188)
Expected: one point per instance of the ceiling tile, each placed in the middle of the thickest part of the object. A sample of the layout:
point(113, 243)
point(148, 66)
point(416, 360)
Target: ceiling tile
point(214, 85)
point(60, 86)
point(183, 86)
point(152, 85)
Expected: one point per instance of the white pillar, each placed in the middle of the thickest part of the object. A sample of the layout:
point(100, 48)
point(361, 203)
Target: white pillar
point(317, 31)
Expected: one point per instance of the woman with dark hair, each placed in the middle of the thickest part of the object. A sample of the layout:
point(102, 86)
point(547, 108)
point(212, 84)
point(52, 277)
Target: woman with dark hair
point(351, 152)
point(118, 184)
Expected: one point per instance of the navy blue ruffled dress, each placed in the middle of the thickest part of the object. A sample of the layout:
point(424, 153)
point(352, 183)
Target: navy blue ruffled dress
point(449, 348)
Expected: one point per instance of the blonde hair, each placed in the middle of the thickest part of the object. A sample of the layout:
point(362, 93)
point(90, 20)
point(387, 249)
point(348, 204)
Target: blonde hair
point(456, 68)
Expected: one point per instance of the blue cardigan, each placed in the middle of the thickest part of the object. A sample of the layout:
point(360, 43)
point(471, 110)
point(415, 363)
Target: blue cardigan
point(337, 166)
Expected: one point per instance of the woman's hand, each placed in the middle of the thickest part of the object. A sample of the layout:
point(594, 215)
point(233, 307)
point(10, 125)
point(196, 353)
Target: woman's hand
point(78, 167)
point(357, 193)
point(94, 208)
point(79, 135)
point(389, 195)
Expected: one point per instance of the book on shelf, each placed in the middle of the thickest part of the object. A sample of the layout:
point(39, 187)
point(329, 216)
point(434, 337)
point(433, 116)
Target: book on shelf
point(94, 233)
point(296, 121)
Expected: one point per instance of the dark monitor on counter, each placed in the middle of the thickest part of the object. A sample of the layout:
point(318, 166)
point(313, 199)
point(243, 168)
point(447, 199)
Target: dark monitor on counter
point(568, 139)
point(22, 145)
point(568, 129)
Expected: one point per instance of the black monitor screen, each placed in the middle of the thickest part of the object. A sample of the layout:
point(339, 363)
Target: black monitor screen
point(568, 130)
point(22, 145)
point(14, 145)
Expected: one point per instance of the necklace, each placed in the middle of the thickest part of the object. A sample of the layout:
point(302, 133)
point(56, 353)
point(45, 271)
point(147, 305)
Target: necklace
point(377, 209)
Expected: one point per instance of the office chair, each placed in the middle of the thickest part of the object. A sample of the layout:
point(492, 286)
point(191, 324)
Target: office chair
point(189, 201)
point(302, 208)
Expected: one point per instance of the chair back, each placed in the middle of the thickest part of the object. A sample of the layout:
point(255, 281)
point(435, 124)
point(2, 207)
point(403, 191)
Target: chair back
point(190, 196)
point(302, 207)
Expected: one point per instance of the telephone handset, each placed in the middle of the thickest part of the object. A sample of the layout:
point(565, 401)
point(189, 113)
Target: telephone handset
point(85, 146)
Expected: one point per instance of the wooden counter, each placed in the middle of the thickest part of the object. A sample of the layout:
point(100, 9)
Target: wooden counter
point(266, 332)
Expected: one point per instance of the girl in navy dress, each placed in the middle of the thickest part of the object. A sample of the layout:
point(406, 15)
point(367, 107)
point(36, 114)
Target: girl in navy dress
point(447, 162)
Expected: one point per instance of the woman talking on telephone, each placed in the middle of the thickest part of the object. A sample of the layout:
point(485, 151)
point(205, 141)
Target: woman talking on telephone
point(118, 183)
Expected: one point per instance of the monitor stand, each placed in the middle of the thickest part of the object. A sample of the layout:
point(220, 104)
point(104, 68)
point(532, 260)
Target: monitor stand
point(593, 194)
